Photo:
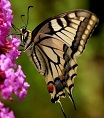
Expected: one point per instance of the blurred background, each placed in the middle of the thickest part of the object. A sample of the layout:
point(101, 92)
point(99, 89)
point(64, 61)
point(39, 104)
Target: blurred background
point(88, 92)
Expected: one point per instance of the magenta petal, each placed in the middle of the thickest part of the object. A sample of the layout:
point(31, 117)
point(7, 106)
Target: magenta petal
point(1, 105)
point(22, 94)
point(6, 93)
point(26, 85)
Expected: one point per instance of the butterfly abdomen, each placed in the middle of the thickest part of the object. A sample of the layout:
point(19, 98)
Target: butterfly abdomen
point(39, 61)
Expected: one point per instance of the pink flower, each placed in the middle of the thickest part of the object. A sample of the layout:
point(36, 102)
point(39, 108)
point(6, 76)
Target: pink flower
point(11, 74)
point(5, 113)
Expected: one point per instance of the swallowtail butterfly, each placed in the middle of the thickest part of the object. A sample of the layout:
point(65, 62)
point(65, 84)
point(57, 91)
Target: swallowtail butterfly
point(53, 47)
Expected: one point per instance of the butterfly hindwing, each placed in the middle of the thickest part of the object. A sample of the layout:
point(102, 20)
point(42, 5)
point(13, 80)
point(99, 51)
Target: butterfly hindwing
point(60, 66)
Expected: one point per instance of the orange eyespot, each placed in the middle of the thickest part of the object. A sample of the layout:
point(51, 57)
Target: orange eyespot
point(50, 87)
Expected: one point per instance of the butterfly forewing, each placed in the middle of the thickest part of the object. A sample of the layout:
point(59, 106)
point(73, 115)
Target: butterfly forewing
point(57, 42)
point(73, 27)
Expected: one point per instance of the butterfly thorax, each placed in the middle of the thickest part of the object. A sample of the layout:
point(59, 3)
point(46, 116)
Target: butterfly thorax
point(26, 38)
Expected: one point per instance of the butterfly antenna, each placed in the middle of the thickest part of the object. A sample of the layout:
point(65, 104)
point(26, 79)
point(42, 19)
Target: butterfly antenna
point(23, 19)
point(28, 15)
point(13, 34)
point(15, 28)
point(62, 109)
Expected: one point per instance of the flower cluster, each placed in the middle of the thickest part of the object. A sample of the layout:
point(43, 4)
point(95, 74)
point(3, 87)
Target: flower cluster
point(11, 75)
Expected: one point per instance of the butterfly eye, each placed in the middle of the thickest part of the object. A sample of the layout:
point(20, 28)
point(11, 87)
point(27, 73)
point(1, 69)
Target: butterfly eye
point(23, 30)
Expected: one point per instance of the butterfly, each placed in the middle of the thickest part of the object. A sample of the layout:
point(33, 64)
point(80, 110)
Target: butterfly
point(53, 47)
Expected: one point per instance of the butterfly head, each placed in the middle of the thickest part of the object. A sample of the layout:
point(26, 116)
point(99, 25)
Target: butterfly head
point(23, 29)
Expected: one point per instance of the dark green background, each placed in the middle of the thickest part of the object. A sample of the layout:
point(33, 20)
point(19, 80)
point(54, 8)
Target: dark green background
point(88, 92)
